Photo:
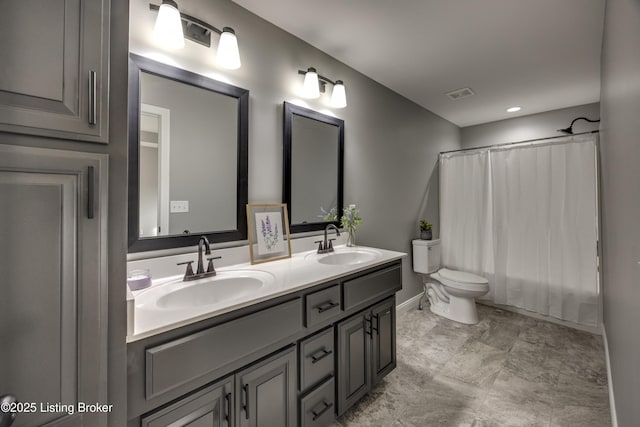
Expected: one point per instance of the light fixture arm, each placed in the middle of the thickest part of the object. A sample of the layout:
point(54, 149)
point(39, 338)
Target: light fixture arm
point(196, 30)
point(321, 79)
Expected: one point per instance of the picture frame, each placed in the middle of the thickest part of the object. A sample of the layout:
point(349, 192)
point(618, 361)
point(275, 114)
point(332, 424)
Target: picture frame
point(268, 232)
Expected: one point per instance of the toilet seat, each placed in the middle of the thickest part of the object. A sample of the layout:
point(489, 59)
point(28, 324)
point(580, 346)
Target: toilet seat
point(461, 276)
point(461, 280)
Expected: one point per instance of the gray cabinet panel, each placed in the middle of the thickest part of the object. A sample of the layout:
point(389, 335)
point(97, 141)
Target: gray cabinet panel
point(210, 407)
point(55, 67)
point(52, 305)
point(316, 359)
point(354, 368)
point(267, 392)
point(317, 409)
point(371, 287)
point(186, 359)
point(383, 339)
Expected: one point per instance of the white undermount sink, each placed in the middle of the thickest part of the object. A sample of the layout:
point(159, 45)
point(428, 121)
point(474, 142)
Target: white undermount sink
point(347, 256)
point(225, 286)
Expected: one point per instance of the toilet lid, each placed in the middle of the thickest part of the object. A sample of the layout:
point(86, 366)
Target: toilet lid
point(462, 277)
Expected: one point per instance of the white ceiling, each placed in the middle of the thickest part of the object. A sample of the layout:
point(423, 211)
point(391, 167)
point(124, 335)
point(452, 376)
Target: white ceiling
point(538, 54)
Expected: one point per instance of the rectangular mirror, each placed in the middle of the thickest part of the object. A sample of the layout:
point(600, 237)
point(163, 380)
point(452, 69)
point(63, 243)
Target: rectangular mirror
point(313, 168)
point(187, 157)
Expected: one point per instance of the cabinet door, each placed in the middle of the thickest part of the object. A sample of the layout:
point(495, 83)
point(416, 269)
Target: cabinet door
point(383, 339)
point(354, 368)
point(210, 407)
point(54, 74)
point(267, 392)
point(53, 300)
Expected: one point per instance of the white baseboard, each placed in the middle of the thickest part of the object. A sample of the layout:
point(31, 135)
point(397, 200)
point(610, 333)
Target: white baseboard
point(411, 303)
point(612, 401)
point(596, 330)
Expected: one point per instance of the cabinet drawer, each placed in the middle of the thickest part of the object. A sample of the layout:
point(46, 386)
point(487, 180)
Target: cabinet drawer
point(186, 359)
point(322, 305)
point(316, 358)
point(371, 287)
point(317, 408)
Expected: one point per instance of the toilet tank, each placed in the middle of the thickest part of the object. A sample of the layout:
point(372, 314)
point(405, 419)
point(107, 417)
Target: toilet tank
point(426, 256)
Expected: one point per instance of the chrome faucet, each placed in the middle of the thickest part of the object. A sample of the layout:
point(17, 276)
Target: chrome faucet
point(327, 246)
point(200, 272)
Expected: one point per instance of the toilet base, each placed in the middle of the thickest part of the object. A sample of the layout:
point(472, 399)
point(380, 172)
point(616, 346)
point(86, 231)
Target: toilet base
point(461, 310)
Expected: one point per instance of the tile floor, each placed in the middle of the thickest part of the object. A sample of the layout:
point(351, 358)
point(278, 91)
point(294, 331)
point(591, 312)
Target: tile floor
point(508, 370)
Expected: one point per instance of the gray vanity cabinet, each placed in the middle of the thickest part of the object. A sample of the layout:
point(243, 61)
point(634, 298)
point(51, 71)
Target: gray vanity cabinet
point(296, 360)
point(53, 286)
point(267, 392)
point(366, 352)
point(210, 407)
point(383, 339)
point(55, 61)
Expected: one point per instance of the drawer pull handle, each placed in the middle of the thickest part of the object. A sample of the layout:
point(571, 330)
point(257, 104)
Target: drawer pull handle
point(91, 192)
point(227, 415)
point(319, 413)
point(93, 89)
point(245, 399)
point(315, 358)
point(326, 306)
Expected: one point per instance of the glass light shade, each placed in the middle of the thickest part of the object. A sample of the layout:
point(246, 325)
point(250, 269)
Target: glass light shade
point(168, 28)
point(228, 55)
point(311, 86)
point(338, 96)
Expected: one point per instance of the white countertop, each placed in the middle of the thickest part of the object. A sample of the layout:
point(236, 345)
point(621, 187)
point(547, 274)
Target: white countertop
point(300, 271)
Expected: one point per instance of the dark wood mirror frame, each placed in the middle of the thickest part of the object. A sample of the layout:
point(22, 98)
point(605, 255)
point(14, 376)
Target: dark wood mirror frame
point(289, 111)
point(138, 64)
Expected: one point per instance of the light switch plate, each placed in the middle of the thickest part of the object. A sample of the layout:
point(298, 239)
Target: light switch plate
point(179, 206)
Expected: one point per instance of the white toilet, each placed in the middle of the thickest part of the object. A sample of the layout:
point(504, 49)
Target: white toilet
point(451, 293)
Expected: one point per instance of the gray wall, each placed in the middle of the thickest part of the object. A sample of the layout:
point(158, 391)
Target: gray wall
point(391, 144)
point(533, 126)
point(620, 154)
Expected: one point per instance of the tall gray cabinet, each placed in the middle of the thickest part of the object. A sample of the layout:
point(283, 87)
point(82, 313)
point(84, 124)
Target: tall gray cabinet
point(54, 58)
point(53, 293)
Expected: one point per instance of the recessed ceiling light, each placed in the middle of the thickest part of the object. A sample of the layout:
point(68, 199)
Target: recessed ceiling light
point(513, 109)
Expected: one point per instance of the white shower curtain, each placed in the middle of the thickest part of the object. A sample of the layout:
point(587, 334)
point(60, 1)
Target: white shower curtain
point(525, 217)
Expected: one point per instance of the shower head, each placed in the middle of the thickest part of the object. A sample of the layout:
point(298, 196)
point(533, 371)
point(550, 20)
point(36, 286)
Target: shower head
point(569, 130)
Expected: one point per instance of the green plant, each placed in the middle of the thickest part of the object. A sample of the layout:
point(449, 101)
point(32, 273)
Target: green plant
point(350, 217)
point(330, 215)
point(425, 225)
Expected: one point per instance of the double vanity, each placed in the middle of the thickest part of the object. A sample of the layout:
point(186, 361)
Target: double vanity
point(290, 342)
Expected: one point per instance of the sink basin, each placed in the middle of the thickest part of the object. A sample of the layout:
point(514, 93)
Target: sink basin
point(225, 286)
point(348, 256)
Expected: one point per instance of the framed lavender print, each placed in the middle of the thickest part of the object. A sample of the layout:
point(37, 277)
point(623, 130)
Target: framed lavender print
point(268, 232)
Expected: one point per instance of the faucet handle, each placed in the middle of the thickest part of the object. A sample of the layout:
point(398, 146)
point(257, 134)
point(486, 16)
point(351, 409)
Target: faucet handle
point(210, 267)
point(189, 271)
point(320, 246)
point(330, 245)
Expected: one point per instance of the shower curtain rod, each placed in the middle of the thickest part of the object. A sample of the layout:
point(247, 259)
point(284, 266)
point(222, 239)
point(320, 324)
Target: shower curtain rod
point(506, 144)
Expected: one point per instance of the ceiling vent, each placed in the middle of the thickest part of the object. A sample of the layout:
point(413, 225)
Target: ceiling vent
point(465, 92)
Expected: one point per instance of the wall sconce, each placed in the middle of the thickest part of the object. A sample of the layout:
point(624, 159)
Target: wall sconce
point(314, 84)
point(173, 26)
